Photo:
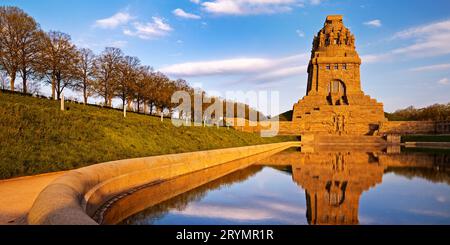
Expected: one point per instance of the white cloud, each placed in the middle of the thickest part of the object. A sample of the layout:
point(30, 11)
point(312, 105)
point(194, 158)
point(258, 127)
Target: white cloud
point(444, 81)
point(195, 1)
point(300, 33)
point(218, 67)
point(433, 28)
point(120, 18)
point(117, 44)
point(95, 44)
point(316, 2)
point(259, 70)
point(156, 28)
point(429, 40)
point(373, 23)
point(437, 67)
point(230, 66)
point(182, 14)
point(256, 211)
point(280, 73)
point(425, 41)
point(249, 7)
point(374, 58)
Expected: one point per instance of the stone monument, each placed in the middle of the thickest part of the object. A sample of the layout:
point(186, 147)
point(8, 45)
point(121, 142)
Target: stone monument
point(335, 103)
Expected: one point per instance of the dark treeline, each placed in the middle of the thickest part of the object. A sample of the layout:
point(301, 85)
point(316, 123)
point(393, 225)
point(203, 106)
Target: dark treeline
point(50, 58)
point(436, 112)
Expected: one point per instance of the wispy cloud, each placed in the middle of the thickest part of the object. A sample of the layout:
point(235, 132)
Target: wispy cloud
point(431, 213)
point(373, 23)
point(118, 19)
point(158, 27)
point(257, 212)
point(249, 7)
point(444, 81)
point(183, 14)
point(231, 66)
point(425, 41)
point(93, 43)
point(429, 40)
point(279, 73)
point(437, 67)
point(249, 69)
point(316, 2)
point(375, 58)
point(300, 33)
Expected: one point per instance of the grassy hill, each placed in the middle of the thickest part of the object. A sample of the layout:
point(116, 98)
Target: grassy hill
point(36, 137)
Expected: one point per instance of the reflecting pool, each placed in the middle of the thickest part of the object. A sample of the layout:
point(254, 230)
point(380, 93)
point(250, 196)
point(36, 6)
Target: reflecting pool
point(301, 186)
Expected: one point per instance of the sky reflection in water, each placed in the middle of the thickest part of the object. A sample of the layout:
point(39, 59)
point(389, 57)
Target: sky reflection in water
point(318, 188)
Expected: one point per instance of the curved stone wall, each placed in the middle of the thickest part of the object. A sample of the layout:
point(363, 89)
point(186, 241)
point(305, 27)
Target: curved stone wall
point(75, 197)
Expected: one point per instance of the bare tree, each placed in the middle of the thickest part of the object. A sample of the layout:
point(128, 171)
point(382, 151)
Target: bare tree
point(154, 88)
point(19, 42)
point(58, 59)
point(85, 73)
point(129, 73)
point(3, 78)
point(107, 72)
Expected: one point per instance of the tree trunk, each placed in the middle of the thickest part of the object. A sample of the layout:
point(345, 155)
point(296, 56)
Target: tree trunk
point(24, 81)
point(53, 87)
point(129, 104)
point(138, 104)
point(58, 89)
point(85, 94)
point(13, 80)
point(151, 108)
point(145, 107)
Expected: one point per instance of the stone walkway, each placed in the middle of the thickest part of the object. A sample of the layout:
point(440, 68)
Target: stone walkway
point(17, 196)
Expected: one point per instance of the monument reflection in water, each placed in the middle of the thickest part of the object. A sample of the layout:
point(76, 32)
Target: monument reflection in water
point(312, 186)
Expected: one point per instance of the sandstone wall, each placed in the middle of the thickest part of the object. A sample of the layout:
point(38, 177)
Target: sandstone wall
point(355, 128)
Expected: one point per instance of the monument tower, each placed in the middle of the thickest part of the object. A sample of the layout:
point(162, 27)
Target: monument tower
point(335, 103)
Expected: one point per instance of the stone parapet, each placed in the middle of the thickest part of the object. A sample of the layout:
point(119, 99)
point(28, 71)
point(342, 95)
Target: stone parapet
point(75, 197)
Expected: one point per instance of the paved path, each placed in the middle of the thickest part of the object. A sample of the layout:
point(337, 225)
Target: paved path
point(17, 196)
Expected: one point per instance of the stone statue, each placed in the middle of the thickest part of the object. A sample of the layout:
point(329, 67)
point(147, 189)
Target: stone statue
point(316, 42)
point(352, 40)
point(321, 40)
point(342, 125)
point(348, 37)
point(331, 38)
point(339, 121)
point(341, 39)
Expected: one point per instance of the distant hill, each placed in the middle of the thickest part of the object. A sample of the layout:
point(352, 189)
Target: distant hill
point(286, 116)
point(436, 112)
point(36, 137)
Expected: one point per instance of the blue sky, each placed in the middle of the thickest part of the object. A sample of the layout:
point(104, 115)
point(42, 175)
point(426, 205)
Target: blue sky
point(265, 44)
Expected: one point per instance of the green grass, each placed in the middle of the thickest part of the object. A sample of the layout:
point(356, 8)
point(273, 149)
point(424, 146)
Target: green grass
point(426, 138)
point(36, 137)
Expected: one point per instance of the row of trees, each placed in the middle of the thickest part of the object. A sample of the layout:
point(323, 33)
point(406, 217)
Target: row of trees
point(436, 112)
point(50, 58)
point(26, 51)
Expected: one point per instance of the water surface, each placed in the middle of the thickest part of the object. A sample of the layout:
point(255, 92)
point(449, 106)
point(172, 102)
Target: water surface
point(294, 187)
